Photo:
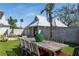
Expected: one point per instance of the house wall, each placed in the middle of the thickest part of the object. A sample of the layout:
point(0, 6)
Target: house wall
point(66, 34)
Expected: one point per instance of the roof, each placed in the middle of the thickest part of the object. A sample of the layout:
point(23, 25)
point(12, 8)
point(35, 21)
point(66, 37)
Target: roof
point(42, 21)
point(56, 22)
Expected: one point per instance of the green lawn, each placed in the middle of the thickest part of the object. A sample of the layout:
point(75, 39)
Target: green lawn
point(9, 48)
point(69, 50)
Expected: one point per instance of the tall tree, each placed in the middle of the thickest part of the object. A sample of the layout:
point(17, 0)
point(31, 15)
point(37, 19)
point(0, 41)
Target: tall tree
point(21, 21)
point(78, 14)
point(78, 7)
point(68, 15)
point(12, 23)
point(48, 9)
point(1, 14)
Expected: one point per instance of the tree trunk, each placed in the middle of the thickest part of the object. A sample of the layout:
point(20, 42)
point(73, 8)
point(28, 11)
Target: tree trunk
point(12, 31)
point(78, 13)
point(50, 20)
point(78, 7)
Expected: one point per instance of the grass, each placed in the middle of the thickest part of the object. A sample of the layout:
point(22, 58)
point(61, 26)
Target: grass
point(9, 48)
point(69, 50)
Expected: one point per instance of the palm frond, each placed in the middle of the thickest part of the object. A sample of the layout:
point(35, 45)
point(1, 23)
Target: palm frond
point(42, 11)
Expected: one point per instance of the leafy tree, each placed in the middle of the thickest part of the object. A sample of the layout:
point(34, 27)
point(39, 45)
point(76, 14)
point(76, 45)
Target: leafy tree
point(48, 9)
point(68, 15)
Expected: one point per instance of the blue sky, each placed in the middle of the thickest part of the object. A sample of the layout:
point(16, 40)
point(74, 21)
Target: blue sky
point(26, 11)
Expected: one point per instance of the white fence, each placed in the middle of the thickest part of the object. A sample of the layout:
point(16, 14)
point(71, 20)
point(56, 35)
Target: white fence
point(15, 31)
point(7, 31)
point(67, 34)
point(3, 30)
point(70, 34)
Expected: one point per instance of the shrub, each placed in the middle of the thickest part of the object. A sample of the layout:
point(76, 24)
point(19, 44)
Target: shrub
point(3, 38)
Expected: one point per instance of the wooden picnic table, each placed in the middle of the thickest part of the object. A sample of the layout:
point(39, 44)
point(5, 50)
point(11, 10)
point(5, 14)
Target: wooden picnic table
point(49, 45)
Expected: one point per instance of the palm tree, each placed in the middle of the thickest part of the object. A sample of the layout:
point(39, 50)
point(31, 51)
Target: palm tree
point(21, 21)
point(78, 13)
point(15, 20)
point(1, 14)
point(12, 23)
point(48, 8)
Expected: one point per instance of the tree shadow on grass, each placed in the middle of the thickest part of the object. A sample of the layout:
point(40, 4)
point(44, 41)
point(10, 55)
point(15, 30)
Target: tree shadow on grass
point(17, 51)
point(71, 44)
point(14, 52)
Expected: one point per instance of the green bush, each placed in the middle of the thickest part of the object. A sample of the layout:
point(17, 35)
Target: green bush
point(3, 38)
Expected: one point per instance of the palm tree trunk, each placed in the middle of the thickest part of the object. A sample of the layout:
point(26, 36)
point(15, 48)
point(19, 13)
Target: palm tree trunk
point(12, 32)
point(78, 7)
point(78, 12)
point(20, 24)
point(50, 20)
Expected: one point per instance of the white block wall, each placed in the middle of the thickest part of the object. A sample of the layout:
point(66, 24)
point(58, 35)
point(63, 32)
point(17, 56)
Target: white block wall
point(67, 34)
point(3, 30)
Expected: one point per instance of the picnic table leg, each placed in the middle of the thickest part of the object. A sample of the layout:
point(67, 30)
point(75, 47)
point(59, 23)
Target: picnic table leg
point(52, 54)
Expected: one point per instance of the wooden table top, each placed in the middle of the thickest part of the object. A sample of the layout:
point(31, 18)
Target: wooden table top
point(49, 45)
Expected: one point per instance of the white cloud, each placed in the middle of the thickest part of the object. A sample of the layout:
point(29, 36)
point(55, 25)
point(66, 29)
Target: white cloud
point(23, 8)
point(30, 14)
point(25, 11)
point(19, 7)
